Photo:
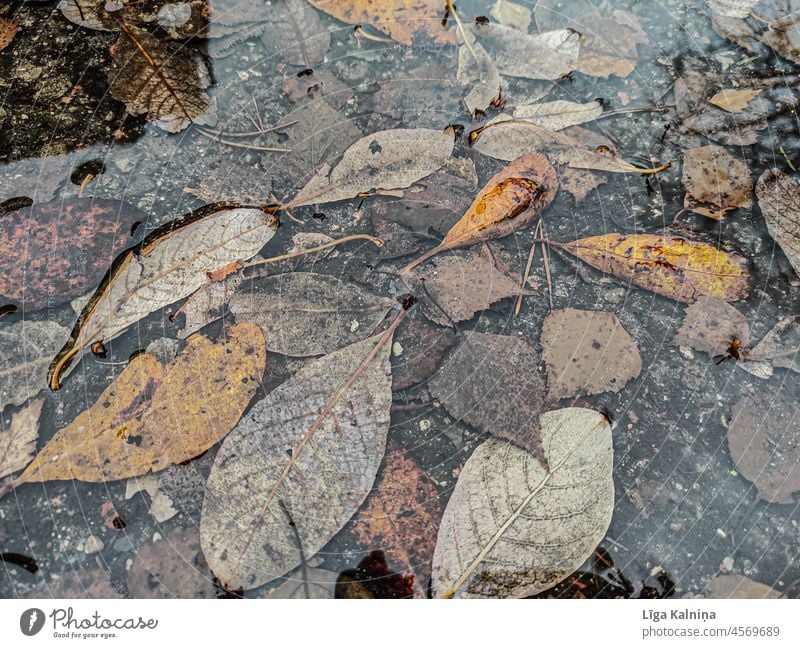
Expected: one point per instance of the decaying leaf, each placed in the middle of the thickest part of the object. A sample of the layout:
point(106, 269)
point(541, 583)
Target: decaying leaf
point(764, 440)
point(123, 434)
point(8, 29)
point(711, 325)
point(733, 586)
point(308, 583)
point(512, 527)
point(555, 115)
point(778, 348)
point(235, 183)
point(305, 313)
point(420, 352)
point(169, 264)
point(587, 352)
point(734, 101)
point(477, 69)
point(783, 35)
point(400, 516)
point(715, 181)
point(25, 351)
point(18, 437)
point(668, 265)
point(779, 199)
point(492, 382)
point(53, 252)
point(294, 29)
point(160, 79)
point(511, 14)
point(310, 449)
point(390, 159)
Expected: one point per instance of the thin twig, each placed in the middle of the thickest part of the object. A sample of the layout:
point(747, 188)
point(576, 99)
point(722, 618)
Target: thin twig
point(318, 248)
point(536, 233)
point(215, 133)
point(252, 147)
point(626, 111)
point(546, 257)
point(461, 29)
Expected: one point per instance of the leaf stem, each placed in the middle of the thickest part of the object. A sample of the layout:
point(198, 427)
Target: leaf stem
point(318, 248)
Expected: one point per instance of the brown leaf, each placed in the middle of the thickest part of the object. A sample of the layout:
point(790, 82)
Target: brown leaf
point(423, 347)
point(779, 199)
point(18, 438)
point(53, 252)
point(122, 434)
point(587, 352)
point(401, 515)
point(492, 382)
point(778, 348)
point(715, 181)
point(733, 586)
point(783, 35)
point(8, 29)
point(734, 101)
point(764, 440)
point(678, 268)
point(710, 326)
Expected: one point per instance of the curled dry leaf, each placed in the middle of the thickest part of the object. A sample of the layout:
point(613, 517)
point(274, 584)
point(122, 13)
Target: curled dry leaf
point(764, 440)
point(168, 265)
point(710, 326)
point(514, 528)
point(778, 348)
point(305, 313)
point(53, 252)
point(734, 101)
point(400, 516)
point(311, 449)
point(123, 434)
point(587, 352)
point(390, 159)
point(492, 382)
point(18, 437)
point(668, 265)
point(715, 181)
point(779, 199)
point(733, 586)
point(555, 115)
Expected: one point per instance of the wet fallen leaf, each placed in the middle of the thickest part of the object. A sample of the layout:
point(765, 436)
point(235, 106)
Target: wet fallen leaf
point(305, 313)
point(778, 348)
point(783, 34)
point(710, 325)
point(587, 352)
point(513, 528)
point(715, 181)
point(668, 265)
point(160, 79)
point(732, 100)
point(122, 434)
point(161, 506)
point(401, 515)
point(477, 69)
point(311, 448)
point(53, 252)
point(25, 351)
point(372, 579)
point(422, 348)
point(764, 440)
point(8, 29)
point(235, 183)
point(311, 583)
point(169, 264)
point(779, 199)
point(492, 382)
point(511, 14)
point(390, 159)
point(230, 22)
point(294, 29)
point(733, 586)
point(18, 436)
point(555, 115)
point(171, 567)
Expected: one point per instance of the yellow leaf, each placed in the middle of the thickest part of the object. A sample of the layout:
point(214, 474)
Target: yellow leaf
point(153, 416)
point(671, 266)
point(734, 101)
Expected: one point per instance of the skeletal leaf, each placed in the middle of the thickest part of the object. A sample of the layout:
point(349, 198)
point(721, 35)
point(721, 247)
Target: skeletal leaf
point(715, 181)
point(511, 14)
point(492, 382)
point(25, 351)
point(390, 159)
point(555, 115)
point(124, 433)
point(311, 449)
point(778, 348)
point(305, 313)
point(160, 79)
point(733, 586)
point(168, 265)
point(734, 101)
point(512, 527)
point(764, 440)
point(668, 265)
point(779, 199)
point(294, 29)
point(477, 69)
point(587, 352)
point(18, 437)
point(711, 325)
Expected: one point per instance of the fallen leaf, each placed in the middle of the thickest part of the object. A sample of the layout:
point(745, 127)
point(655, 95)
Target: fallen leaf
point(401, 515)
point(122, 434)
point(778, 348)
point(311, 583)
point(18, 438)
point(764, 440)
point(161, 79)
point(668, 265)
point(710, 326)
point(305, 313)
point(161, 506)
point(208, 304)
point(26, 348)
point(372, 579)
point(52, 252)
point(556, 115)
point(169, 264)
point(8, 29)
point(779, 199)
point(314, 444)
point(390, 159)
point(734, 101)
point(235, 183)
point(477, 69)
point(732, 8)
point(783, 35)
point(422, 348)
point(492, 382)
point(295, 31)
point(587, 352)
point(715, 181)
point(511, 14)
point(513, 528)
point(733, 586)
point(171, 567)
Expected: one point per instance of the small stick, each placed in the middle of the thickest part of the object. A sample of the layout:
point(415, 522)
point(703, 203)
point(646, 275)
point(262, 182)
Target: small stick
point(252, 147)
point(215, 133)
point(461, 29)
point(318, 248)
point(360, 33)
point(536, 233)
point(546, 257)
